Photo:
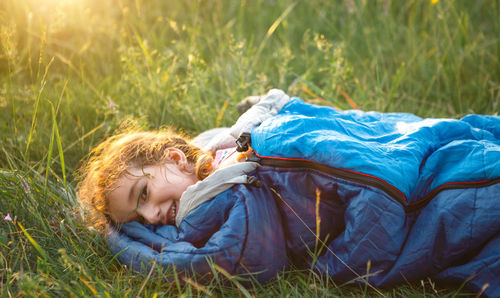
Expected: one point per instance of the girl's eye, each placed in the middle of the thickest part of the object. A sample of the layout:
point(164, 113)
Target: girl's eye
point(144, 193)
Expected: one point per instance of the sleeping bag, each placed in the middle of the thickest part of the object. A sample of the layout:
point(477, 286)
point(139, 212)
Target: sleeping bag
point(388, 196)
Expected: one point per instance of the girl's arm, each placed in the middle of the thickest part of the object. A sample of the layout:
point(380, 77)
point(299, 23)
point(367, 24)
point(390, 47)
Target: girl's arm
point(268, 106)
point(263, 107)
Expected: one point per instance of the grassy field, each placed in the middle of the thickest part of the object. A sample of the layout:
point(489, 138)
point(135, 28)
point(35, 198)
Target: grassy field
point(72, 70)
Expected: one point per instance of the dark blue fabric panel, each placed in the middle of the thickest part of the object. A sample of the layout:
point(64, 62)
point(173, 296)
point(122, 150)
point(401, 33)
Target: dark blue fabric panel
point(375, 232)
point(296, 192)
point(457, 227)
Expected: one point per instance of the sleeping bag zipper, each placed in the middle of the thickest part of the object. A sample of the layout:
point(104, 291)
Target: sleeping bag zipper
point(340, 173)
point(447, 186)
point(244, 142)
point(367, 179)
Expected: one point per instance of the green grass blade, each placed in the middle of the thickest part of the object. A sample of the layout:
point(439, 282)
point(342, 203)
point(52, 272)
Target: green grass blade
point(37, 101)
point(40, 250)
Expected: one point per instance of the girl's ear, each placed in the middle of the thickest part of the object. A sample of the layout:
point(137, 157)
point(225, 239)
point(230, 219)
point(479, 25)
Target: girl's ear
point(179, 158)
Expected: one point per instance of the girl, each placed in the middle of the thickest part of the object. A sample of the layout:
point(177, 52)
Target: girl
point(317, 188)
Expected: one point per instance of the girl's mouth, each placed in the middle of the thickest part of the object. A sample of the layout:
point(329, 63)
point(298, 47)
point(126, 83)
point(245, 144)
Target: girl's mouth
point(172, 212)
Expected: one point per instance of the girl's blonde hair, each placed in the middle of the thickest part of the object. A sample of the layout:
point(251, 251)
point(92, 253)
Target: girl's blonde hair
point(111, 159)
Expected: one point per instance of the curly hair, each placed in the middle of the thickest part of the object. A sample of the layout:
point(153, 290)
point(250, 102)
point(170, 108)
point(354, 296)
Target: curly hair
point(111, 159)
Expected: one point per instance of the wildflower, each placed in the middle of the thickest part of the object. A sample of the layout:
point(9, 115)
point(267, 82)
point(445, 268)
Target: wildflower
point(8, 218)
point(434, 1)
point(111, 104)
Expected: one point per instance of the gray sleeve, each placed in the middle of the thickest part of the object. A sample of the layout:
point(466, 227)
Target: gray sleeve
point(268, 106)
point(265, 107)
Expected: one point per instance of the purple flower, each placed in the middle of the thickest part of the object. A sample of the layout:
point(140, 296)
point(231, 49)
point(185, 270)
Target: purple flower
point(111, 104)
point(8, 218)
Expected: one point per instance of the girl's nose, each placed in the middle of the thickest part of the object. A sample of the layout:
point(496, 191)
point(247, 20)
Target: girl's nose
point(152, 214)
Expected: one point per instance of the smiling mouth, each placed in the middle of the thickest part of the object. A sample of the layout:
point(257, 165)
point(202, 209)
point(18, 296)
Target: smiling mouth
point(172, 212)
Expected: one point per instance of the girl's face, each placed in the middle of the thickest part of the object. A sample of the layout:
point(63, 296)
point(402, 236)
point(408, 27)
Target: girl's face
point(150, 194)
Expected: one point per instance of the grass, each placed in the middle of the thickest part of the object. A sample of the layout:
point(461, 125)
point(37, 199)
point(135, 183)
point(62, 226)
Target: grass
point(72, 70)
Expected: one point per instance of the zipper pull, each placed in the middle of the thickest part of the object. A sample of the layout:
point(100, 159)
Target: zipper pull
point(243, 142)
point(254, 158)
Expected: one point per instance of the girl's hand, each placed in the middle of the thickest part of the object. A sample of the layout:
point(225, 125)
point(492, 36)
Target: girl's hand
point(247, 103)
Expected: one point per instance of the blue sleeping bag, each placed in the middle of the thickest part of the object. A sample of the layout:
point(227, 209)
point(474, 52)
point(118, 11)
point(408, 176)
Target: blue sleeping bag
point(338, 190)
